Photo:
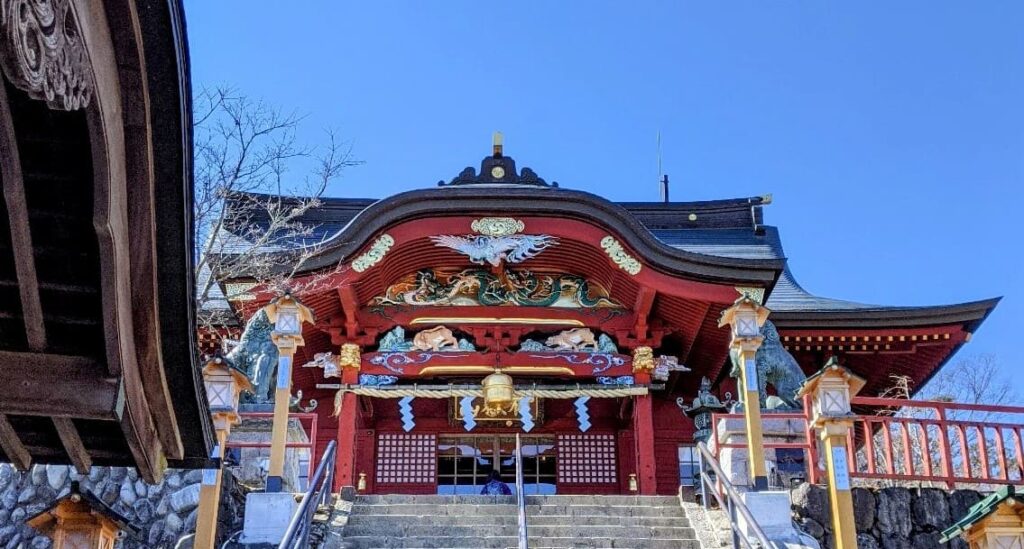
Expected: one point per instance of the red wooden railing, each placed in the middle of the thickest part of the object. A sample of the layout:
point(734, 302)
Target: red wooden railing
point(311, 431)
point(938, 442)
point(918, 441)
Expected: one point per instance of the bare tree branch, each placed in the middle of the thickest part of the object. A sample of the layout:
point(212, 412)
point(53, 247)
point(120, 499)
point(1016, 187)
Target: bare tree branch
point(249, 208)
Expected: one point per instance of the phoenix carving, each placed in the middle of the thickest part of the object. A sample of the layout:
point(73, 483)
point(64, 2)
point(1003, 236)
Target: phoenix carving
point(483, 249)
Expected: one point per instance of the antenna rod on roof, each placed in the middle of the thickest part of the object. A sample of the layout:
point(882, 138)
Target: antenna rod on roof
point(662, 177)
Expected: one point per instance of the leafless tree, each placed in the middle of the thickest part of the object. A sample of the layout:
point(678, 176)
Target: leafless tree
point(970, 380)
point(248, 205)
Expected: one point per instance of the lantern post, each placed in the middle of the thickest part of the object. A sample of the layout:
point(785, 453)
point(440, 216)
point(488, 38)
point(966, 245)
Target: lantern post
point(224, 385)
point(287, 314)
point(745, 317)
point(831, 389)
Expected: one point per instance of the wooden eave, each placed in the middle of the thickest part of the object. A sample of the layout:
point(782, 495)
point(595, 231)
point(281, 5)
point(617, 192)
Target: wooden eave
point(98, 353)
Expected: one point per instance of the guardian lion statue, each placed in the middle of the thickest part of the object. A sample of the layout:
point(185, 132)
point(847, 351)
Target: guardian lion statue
point(778, 368)
point(256, 355)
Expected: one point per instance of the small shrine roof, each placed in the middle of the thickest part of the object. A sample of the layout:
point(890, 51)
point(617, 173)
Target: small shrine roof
point(980, 510)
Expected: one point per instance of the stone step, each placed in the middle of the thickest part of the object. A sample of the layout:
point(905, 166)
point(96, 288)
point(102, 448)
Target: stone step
point(509, 509)
point(540, 520)
point(548, 531)
point(557, 499)
point(503, 542)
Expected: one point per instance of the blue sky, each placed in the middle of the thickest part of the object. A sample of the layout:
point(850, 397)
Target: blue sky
point(890, 134)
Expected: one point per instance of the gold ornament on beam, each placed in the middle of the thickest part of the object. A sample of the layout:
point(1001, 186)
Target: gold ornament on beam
point(373, 256)
point(619, 256)
point(643, 359)
point(497, 226)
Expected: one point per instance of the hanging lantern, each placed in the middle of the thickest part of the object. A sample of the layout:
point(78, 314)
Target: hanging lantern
point(498, 391)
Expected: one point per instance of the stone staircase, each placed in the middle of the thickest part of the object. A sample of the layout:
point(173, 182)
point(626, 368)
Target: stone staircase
point(647, 522)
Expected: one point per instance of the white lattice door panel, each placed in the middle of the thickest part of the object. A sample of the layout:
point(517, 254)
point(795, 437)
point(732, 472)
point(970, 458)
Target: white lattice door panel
point(406, 459)
point(586, 459)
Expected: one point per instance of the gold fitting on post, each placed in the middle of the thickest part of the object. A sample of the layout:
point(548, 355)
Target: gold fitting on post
point(643, 359)
point(633, 487)
point(361, 483)
point(350, 357)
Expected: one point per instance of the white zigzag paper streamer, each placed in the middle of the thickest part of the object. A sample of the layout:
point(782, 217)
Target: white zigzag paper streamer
point(468, 420)
point(582, 415)
point(526, 414)
point(405, 406)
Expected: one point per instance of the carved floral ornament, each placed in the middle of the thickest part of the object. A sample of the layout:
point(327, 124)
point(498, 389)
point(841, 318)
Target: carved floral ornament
point(619, 256)
point(497, 226)
point(373, 256)
point(42, 53)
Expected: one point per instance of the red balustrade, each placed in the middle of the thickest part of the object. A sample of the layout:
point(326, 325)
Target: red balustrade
point(919, 441)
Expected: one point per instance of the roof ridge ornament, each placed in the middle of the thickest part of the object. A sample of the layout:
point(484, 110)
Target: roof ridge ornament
point(498, 169)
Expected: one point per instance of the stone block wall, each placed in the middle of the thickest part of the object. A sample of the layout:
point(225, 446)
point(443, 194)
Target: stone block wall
point(161, 512)
point(887, 518)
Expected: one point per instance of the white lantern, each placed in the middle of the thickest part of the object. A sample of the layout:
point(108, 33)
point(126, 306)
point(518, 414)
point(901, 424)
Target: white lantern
point(288, 314)
point(745, 317)
point(831, 389)
point(223, 384)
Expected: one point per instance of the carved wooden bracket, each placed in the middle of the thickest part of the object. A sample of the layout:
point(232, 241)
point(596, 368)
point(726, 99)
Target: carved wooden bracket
point(42, 53)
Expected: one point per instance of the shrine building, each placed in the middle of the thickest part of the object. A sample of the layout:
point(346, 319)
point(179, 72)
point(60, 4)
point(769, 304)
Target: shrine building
point(450, 319)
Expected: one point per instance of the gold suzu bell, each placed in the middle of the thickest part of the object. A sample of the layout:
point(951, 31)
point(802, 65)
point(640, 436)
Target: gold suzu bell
point(498, 392)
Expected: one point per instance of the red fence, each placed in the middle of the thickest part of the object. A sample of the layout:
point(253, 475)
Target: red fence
point(920, 442)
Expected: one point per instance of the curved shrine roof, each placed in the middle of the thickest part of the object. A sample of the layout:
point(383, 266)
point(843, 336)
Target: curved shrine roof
point(727, 233)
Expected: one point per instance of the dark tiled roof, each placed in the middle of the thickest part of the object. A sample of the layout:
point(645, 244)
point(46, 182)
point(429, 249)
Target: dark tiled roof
point(722, 228)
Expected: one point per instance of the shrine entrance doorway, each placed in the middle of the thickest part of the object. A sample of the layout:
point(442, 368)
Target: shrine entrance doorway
point(465, 461)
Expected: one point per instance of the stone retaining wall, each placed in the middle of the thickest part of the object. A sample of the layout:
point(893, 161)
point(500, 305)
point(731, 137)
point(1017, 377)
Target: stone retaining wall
point(162, 512)
point(889, 518)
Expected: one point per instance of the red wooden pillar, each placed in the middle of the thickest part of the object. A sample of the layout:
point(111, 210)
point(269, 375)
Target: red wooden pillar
point(344, 472)
point(643, 426)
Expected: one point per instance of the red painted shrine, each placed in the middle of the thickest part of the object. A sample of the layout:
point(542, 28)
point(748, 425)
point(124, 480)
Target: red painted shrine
point(602, 314)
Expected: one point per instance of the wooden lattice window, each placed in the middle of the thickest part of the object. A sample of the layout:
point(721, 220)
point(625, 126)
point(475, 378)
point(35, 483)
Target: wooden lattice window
point(406, 459)
point(586, 459)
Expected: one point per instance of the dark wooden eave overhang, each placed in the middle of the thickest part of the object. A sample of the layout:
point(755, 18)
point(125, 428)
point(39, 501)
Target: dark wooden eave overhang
point(98, 353)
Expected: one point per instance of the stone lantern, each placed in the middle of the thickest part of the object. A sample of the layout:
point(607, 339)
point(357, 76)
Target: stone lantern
point(700, 412)
point(79, 520)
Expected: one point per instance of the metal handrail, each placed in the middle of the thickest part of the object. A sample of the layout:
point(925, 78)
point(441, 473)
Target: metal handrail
point(318, 495)
point(733, 504)
point(521, 496)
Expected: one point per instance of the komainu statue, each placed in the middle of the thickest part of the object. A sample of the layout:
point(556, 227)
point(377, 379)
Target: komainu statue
point(256, 355)
point(778, 368)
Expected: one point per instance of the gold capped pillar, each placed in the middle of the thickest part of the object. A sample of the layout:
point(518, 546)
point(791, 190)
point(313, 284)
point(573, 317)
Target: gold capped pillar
point(287, 314)
point(831, 389)
point(745, 317)
point(224, 385)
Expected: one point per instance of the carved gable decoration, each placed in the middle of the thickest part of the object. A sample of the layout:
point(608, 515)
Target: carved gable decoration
point(479, 287)
point(42, 54)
